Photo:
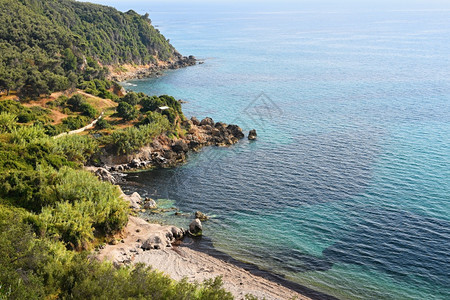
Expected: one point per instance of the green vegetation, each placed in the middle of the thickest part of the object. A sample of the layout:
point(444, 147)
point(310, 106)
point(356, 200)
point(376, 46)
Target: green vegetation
point(55, 45)
point(35, 267)
point(127, 111)
point(52, 212)
point(130, 139)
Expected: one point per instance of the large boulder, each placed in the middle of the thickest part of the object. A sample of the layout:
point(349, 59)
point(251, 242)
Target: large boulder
point(135, 163)
point(207, 121)
point(236, 131)
point(252, 135)
point(177, 233)
point(134, 200)
point(105, 175)
point(149, 203)
point(180, 146)
point(156, 241)
point(195, 228)
point(195, 121)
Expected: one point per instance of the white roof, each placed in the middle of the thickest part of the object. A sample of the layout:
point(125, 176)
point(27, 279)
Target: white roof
point(163, 107)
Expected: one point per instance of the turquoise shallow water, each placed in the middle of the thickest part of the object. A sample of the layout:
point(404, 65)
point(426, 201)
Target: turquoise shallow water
point(347, 190)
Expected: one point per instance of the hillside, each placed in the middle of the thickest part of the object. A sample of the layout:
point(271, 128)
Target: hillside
point(54, 45)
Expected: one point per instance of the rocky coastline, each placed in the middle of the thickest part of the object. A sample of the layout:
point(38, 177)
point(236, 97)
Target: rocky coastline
point(165, 152)
point(151, 70)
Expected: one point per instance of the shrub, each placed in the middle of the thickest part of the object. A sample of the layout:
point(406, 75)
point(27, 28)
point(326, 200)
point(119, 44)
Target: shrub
point(76, 148)
point(27, 134)
point(102, 124)
point(8, 122)
point(131, 139)
point(73, 123)
point(76, 101)
point(131, 98)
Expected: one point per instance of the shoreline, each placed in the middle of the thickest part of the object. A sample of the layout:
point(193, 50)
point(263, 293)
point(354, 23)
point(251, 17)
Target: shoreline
point(169, 250)
point(181, 261)
point(128, 71)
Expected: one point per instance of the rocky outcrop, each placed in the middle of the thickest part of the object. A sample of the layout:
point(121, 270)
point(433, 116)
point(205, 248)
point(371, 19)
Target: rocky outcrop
point(164, 152)
point(252, 135)
point(153, 70)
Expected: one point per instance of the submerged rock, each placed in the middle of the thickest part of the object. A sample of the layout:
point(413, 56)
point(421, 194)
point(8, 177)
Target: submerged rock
point(252, 135)
point(195, 228)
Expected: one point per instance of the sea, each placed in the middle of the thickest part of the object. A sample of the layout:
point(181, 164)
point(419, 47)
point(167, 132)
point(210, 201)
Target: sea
point(346, 190)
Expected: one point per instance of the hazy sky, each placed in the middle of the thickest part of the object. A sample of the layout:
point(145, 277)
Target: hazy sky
point(274, 4)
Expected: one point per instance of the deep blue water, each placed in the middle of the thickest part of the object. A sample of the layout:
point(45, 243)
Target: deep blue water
point(347, 189)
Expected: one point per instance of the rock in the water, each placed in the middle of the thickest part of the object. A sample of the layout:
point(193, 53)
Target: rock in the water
point(195, 228)
point(235, 131)
point(207, 121)
point(252, 135)
point(149, 203)
point(201, 216)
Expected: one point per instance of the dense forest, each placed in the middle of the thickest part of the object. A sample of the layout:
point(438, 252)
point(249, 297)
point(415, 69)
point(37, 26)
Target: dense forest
point(52, 45)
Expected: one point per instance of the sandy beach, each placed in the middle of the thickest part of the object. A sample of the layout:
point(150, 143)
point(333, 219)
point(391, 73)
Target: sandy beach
point(179, 262)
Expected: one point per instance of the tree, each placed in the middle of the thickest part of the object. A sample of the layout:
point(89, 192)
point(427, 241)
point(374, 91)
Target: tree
point(131, 98)
point(126, 111)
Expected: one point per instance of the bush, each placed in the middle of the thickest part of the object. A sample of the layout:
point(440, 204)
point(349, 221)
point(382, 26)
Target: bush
point(76, 148)
point(88, 110)
point(27, 134)
point(8, 122)
point(131, 139)
point(76, 101)
point(102, 124)
point(73, 123)
point(131, 98)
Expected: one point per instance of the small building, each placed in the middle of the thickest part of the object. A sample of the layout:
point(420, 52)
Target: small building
point(162, 108)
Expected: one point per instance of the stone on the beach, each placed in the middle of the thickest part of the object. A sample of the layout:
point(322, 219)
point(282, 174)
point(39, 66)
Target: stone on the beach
point(177, 233)
point(149, 203)
point(156, 241)
point(135, 200)
point(195, 228)
point(201, 216)
point(134, 163)
point(252, 135)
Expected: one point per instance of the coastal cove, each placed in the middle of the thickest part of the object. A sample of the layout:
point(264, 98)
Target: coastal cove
point(346, 189)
